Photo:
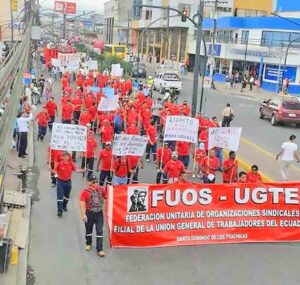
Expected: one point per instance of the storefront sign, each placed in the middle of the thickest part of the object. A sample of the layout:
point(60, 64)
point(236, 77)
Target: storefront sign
point(217, 49)
point(145, 215)
point(271, 72)
point(256, 53)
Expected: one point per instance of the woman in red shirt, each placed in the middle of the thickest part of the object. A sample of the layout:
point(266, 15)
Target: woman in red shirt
point(122, 168)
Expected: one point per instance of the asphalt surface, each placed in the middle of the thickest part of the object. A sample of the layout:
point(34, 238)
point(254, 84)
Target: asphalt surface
point(57, 253)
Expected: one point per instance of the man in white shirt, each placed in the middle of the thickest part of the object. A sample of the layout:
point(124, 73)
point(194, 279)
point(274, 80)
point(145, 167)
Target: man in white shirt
point(288, 154)
point(22, 128)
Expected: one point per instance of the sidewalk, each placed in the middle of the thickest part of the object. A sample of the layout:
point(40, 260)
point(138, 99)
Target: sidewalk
point(257, 92)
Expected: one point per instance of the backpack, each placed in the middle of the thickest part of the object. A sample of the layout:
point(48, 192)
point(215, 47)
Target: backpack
point(95, 201)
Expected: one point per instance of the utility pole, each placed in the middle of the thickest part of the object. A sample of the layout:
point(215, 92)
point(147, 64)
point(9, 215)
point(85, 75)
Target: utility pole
point(197, 59)
point(168, 34)
point(128, 28)
point(212, 63)
point(12, 21)
point(64, 26)
point(244, 65)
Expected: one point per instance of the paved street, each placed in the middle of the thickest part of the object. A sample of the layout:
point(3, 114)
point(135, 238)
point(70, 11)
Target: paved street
point(57, 253)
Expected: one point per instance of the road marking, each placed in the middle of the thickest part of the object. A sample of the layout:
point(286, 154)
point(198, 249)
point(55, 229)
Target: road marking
point(262, 150)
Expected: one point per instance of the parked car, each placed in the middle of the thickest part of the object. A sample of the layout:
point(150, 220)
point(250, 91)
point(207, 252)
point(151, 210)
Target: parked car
point(167, 81)
point(281, 109)
point(139, 70)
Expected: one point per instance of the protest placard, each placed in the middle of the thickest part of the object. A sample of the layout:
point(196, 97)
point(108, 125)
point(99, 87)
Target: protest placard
point(181, 128)
point(116, 70)
point(109, 92)
point(68, 137)
point(228, 138)
point(108, 104)
point(56, 62)
point(129, 145)
point(92, 65)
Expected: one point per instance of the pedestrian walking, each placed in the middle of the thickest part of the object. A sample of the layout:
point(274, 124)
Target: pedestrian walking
point(54, 156)
point(227, 115)
point(151, 145)
point(51, 107)
point(88, 157)
point(209, 165)
point(173, 168)
point(91, 208)
point(183, 150)
point(122, 169)
point(135, 163)
point(164, 155)
point(105, 164)
point(22, 129)
point(287, 156)
point(230, 168)
point(42, 118)
point(64, 170)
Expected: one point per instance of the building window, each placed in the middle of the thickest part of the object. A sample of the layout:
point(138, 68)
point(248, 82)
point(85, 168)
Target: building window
point(278, 39)
point(224, 36)
point(249, 13)
point(148, 15)
point(245, 37)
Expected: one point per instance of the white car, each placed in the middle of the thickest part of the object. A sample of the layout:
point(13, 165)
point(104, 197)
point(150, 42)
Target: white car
point(168, 81)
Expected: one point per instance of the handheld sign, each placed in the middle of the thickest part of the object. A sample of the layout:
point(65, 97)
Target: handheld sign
point(228, 138)
point(108, 104)
point(181, 128)
point(129, 145)
point(68, 137)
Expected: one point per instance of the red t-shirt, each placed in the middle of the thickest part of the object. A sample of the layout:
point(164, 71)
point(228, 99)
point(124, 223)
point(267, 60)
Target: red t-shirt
point(122, 168)
point(173, 168)
point(105, 157)
point(43, 119)
point(231, 174)
point(183, 148)
point(91, 147)
point(253, 177)
point(107, 133)
point(93, 111)
point(151, 133)
point(65, 170)
point(164, 155)
point(67, 112)
point(133, 161)
point(132, 131)
point(54, 154)
point(77, 103)
point(51, 108)
point(84, 119)
point(85, 195)
point(210, 166)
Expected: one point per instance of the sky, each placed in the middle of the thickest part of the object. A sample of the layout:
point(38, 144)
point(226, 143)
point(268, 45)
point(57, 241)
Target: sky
point(82, 5)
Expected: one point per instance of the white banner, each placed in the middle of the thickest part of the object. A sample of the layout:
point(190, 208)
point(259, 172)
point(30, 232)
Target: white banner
point(129, 145)
point(116, 70)
point(228, 138)
point(108, 104)
point(181, 128)
point(68, 137)
point(56, 62)
point(93, 65)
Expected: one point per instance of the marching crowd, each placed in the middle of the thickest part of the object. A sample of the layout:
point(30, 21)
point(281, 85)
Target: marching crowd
point(137, 114)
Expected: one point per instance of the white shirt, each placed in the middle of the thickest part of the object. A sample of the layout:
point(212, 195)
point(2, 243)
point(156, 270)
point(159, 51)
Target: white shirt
point(288, 151)
point(22, 124)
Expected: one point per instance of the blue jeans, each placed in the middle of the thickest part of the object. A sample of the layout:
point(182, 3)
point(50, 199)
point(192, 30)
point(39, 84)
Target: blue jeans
point(219, 155)
point(63, 191)
point(42, 132)
point(120, 180)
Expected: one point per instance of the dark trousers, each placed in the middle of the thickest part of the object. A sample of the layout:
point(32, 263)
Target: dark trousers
point(161, 174)
point(53, 178)
point(97, 220)
point(185, 159)
point(156, 119)
point(89, 164)
point(151, 148)
point(22, 143)
point(134, 176)
point(42, 132)
point(105, 175)
point(76, 116)
point(226, 121)
point(66, 121)
point(207, 181)
point(50, 123)
point(63, 191)
point(172, 145)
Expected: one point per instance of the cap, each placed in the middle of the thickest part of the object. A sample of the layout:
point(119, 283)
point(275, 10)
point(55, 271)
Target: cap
point(108, 143)
point(92, 178)
point(174, 154)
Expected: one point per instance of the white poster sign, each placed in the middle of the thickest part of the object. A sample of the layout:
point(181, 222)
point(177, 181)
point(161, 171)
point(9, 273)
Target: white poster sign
point(92, 65)
point(228, 138)
point(108, 104)
point(181, 128)
point(116, 70)
point(56, 62)
point(129, 145)
point(68, 137)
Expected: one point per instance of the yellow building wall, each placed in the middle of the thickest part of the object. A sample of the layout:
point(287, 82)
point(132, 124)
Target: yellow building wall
point(259, 5)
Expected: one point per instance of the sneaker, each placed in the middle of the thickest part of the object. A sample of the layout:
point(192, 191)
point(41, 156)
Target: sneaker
point(147, 160)
point(88, 247)
point(53, 185)
point(101, 253)
point(59, 213)
point(65, 209)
